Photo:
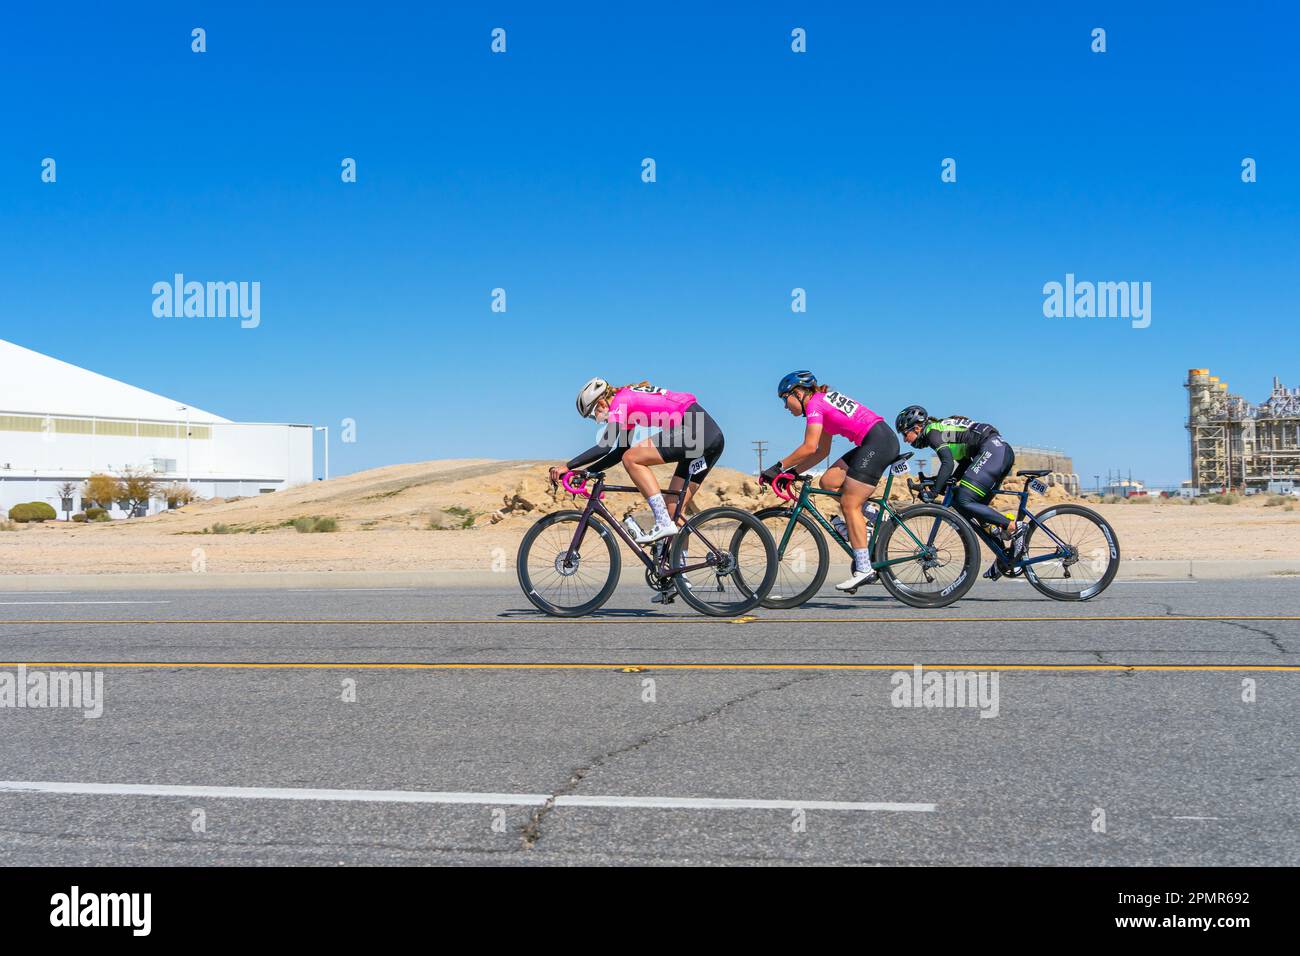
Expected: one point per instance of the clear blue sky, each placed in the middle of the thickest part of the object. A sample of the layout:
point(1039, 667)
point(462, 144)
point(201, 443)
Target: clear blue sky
point(775, 170)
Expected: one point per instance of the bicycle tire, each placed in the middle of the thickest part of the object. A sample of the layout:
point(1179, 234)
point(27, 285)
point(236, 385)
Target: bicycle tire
point(750, 594)
point(1108, 533)
point(531, 587)
point(912, 596)
point(823, 560)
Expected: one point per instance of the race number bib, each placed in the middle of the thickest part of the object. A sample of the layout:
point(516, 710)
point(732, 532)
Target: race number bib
point(841, 401)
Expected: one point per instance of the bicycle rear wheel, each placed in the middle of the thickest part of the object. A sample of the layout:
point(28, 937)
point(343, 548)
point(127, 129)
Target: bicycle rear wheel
point(564, 584)
point(1087, 553)
point(944, 564)
point(737, 558)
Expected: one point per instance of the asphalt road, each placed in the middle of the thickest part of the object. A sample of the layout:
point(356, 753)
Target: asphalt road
point(1154, 725)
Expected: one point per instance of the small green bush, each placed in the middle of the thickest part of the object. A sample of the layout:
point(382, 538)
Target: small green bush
point(314, 525)
point(79, 517)
point(32, 511)
point(220, 528)
point(102, 516)
point(94, 514)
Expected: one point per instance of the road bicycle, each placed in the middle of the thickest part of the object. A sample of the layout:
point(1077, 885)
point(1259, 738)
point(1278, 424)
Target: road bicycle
point(926, 555)
point(722, 562)
point(1071, 553)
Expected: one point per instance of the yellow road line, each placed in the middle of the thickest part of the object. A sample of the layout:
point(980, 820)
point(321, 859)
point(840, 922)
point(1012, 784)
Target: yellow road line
point(643, 667)
point(640, 622)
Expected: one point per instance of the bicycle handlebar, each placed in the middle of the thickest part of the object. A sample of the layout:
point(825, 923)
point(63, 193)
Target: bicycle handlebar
point(782, 482)
point(581, 478)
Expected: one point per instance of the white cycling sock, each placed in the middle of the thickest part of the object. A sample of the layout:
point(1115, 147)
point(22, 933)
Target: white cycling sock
point(683, 559)
point(861, 559)
point(662, 518)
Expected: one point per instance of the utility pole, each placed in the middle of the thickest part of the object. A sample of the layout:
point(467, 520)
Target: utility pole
point(760, 447)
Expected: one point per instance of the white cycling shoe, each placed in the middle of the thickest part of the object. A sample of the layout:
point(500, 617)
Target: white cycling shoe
point(657, 533)
point(857, 580)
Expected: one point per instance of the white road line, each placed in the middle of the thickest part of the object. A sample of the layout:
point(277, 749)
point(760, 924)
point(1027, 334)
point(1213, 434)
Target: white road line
point(716, 803)
point(271, 793)
point(85, 602)
point(424, 796)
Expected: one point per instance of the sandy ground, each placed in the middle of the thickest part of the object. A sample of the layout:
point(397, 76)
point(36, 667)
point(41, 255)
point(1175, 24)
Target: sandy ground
point(471, 514)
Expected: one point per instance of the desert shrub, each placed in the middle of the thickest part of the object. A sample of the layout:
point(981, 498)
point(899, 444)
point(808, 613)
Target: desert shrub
point(79, 517)
point(1140, 500)
point(9, 526)
point(1226, 499)
point(32, 511)
point(314, 525)
point(102, 516)
point(220, 528)
point(177, 494)
point(95, 514)
point(1275, 501)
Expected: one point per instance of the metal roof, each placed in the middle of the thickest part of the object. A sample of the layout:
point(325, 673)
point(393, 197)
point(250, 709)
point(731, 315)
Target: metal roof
point(32, 382)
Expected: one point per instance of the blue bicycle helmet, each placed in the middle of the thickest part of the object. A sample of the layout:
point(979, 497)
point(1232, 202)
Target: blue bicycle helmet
point(805, 378)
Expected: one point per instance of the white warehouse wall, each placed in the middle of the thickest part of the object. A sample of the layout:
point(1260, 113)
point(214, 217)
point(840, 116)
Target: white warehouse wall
point(60, 423)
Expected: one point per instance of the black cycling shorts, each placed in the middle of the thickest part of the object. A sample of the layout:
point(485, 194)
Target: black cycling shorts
point(868, 461)
point(696, 444)
point(988, 464)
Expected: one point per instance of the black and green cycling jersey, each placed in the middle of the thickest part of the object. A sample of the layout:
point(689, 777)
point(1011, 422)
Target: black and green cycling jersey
point(954, 439)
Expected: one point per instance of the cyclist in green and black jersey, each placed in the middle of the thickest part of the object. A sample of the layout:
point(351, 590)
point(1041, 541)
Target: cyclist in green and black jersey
point(975, 456)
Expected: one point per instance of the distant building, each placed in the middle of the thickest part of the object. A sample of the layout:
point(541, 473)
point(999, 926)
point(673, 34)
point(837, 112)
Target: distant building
point(59, 423)
point(1236, 445)
point(1062, 465)
point(1028, 457)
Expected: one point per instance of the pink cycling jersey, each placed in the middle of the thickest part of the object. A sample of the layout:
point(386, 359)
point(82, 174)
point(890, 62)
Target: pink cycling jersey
point(840, 415)
point(643, 405)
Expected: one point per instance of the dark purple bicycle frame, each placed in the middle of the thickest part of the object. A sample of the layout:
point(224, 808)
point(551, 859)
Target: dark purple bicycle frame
point(594, 505)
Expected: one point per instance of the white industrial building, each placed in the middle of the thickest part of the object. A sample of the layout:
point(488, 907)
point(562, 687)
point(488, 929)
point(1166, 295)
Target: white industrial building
point(60, 423)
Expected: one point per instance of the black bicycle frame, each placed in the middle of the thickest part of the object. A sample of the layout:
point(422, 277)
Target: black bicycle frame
point(1022, 512)
point(594, 506)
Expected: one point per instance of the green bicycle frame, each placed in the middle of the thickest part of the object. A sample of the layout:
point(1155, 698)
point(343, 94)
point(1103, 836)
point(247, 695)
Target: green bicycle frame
point(805, 503)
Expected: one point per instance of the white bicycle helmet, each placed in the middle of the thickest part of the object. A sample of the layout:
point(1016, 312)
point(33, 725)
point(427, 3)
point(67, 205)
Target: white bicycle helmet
point(590, 394)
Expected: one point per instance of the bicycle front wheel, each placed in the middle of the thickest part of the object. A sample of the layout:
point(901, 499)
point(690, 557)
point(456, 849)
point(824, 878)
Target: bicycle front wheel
point(736, 561)
point(805, 562)
point(1085, 550)
point(563, 582)
point(942, 552)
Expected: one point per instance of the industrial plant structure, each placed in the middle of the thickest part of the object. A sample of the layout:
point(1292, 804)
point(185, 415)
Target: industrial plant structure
point(1239, 446)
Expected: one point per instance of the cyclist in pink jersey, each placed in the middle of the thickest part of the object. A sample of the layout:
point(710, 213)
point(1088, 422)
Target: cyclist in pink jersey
point(647, 426)
point(855, 474)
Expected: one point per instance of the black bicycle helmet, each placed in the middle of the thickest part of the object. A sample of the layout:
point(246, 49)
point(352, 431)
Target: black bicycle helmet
point(908, 419)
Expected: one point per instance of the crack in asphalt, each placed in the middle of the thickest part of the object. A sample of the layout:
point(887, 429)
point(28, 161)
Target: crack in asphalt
point(531, 831)
point(1272, 638)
